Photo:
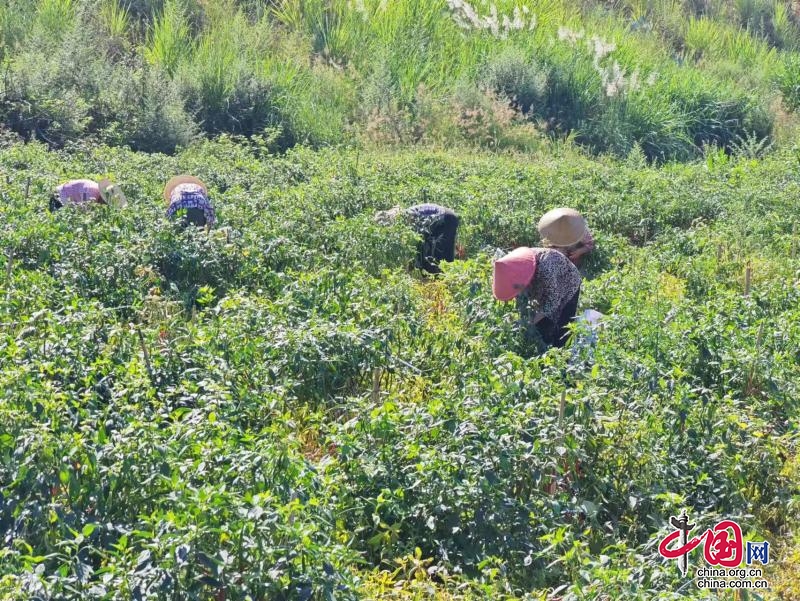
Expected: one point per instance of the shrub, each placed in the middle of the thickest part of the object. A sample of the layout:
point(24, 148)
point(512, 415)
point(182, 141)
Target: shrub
point(517, 77)
point(148, 112)
point(61, 90)
point(483, 119)
point(49, 86)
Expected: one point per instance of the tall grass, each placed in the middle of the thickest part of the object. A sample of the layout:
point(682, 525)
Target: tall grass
point(410, 34)
point(222, 79)
point(787, 78)
point(333, 25)
point(702, 37)
point(168, 41)
point(717, 40)
point(116, 18)
point(53, 15)
point(215, 67)
point(289, 13)
point(644, 120)
point(755, 15)
point(785, 32)
point(316, 106)
point(746, 50)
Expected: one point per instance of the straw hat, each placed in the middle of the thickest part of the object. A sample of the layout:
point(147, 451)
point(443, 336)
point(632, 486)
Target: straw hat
point(562, 227)
point(513, 273)
point(177, 181)
point(111, 193)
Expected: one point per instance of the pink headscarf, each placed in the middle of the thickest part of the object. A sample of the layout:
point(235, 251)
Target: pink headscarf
point(513, 273)
point(78, 191)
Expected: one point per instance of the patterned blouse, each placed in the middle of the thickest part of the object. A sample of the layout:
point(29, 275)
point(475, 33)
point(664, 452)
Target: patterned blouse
point(555, 283)
point(191, 196)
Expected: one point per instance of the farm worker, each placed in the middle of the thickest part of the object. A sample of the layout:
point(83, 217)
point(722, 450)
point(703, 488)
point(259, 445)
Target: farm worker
point(82, 192)
point(188, 193)
point(565, 230)
point(542, 280)
point(436, 224)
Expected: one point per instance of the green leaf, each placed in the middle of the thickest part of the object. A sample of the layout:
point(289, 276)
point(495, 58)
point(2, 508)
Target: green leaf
point(590, 508)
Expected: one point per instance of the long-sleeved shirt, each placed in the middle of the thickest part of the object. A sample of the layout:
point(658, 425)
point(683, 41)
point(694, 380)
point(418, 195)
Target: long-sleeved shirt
point(554, 284)
point(78, 191)
point(191, 196)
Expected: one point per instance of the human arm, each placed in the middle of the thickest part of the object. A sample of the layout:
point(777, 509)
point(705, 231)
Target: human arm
point(576, 255)
point(584, 247)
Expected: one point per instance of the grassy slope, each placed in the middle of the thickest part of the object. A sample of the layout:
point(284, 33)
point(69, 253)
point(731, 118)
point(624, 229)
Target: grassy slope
point(673, 76)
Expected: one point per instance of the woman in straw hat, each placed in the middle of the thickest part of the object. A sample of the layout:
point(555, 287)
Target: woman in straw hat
point(543, 281)
point(188, 193)
point(565, 230)
point(83, 192)
point(436, 224)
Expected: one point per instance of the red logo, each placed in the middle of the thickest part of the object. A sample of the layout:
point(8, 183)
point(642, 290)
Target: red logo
point(723, 544)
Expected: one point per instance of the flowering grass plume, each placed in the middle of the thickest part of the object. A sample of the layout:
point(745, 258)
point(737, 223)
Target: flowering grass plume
point(613, 78)
point(467, 17)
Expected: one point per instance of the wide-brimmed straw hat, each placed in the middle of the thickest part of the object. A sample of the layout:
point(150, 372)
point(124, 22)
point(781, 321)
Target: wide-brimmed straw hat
point(562, 227)
point(513, 273)
point(177, 181)
point(111, 193)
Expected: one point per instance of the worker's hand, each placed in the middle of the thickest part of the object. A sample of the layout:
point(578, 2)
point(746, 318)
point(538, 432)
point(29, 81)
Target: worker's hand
point(576, 254)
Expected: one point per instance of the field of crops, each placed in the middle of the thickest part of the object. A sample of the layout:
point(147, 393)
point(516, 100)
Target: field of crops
point(281, 409)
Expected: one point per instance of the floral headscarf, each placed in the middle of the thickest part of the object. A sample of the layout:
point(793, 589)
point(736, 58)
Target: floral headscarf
point(191, 196)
